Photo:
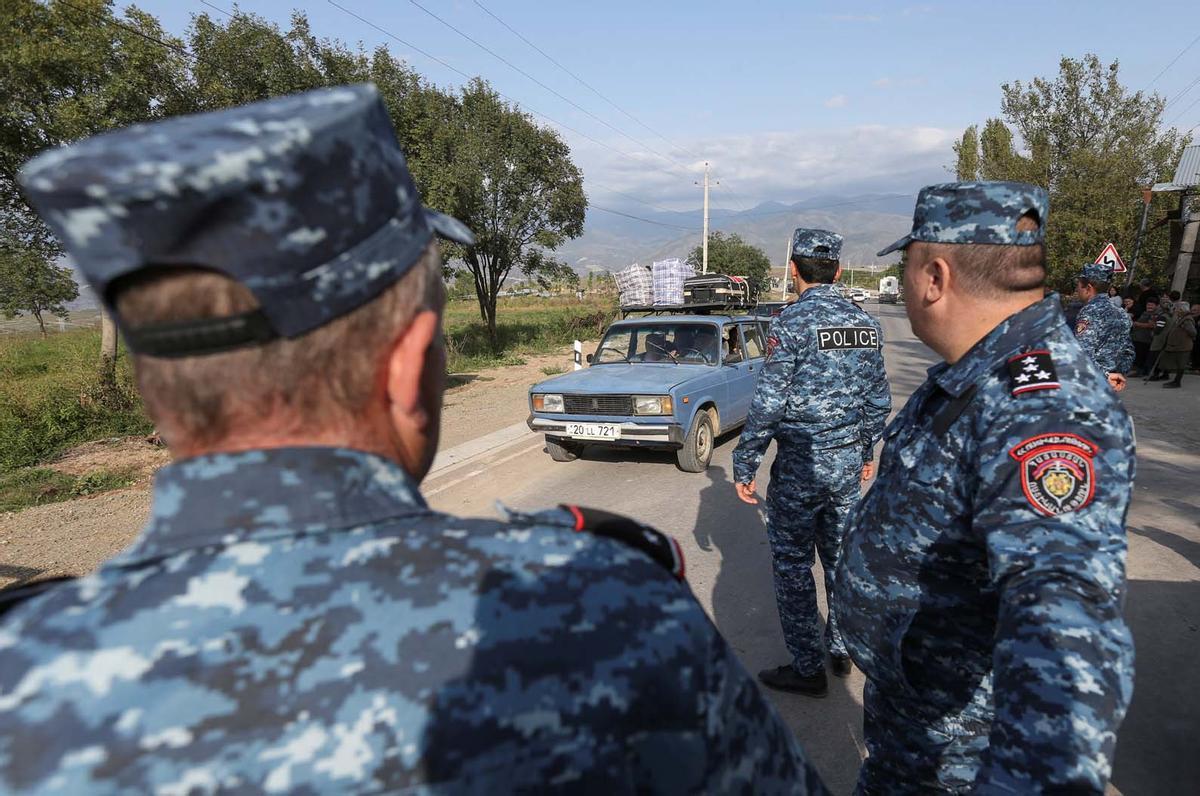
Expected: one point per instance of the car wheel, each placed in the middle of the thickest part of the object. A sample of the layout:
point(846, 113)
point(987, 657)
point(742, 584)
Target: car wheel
point(698, 446)
point(561, 451)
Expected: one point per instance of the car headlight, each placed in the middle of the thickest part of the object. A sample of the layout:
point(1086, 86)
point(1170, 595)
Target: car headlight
point(652, 405)
point(548, 403)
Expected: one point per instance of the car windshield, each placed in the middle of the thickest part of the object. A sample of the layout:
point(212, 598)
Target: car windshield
point(691, 343)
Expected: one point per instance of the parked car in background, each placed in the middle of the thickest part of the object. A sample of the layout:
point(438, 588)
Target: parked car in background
point(859, 295)
point(673, 382)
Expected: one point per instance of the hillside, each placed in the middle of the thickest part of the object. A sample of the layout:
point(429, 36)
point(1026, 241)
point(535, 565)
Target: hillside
point(869, 223)
point(611, 242)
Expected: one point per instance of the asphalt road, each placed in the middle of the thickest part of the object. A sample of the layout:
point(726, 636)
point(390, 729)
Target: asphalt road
point(729, 563)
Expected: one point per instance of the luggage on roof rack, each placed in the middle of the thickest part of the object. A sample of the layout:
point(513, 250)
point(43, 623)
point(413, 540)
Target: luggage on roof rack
point(669, 278)
point(635, 285)
point(731, 292)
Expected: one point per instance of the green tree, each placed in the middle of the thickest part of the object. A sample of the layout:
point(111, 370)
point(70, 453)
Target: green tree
point(69, 71)
point(729, 254)
point(30, 284)
point(1093, 144)
point(966, 151)
point(515, 186)
point(462, 288)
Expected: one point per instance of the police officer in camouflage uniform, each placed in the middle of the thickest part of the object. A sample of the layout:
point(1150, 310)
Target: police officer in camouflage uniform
point(823, 397)
point(295, 618)
point(1102, 327)
point(982, 580)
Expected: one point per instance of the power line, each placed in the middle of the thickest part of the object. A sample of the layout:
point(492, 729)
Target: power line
point(466, 76)
point(1181, 93)
point(639, 218)
point(724, 184)
point(1183, 112)
point(604, 187)
point(457, 71)
point(580, 80)
point(565, 99)
point(1173, 60)
point(153, 39)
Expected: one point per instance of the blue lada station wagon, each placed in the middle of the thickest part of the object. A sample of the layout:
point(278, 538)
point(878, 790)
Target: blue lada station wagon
point(670, 382)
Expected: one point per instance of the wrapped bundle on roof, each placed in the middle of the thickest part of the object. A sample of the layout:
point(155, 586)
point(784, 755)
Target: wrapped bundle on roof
point(635, 285)
point(669, 276)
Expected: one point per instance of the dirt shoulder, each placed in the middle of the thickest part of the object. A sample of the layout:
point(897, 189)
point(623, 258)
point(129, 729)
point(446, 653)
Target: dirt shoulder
point(72, 537)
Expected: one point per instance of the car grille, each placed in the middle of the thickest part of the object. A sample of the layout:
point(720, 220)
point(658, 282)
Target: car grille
point(598, 404)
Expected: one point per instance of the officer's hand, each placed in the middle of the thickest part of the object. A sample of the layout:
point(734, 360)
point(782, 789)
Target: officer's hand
point(745, 492)
point(1116, 381)
point(868, 471)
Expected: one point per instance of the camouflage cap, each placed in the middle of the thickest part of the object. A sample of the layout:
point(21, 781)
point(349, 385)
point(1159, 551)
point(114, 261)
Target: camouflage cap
point(1096, 272)
point(976, 212)
point(818, 244)
point(306, 200)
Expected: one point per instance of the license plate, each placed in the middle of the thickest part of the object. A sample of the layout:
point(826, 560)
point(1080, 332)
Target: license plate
point(594, 430)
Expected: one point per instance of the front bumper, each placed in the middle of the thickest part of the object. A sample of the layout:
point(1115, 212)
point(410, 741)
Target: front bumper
point(636, 434)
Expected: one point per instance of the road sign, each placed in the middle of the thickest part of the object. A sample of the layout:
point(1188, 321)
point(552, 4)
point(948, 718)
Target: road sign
point(1110, 257)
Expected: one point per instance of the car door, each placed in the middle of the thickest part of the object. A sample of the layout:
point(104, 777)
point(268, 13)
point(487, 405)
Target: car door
point(741, 368)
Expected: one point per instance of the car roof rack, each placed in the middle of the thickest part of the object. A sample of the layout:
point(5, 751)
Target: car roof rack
point(719, 308)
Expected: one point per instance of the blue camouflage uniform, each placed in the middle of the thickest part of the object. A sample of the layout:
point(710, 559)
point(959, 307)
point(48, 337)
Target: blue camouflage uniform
point(823, 397)
point(297, 620)
point(1103, 328)
point(983, 578)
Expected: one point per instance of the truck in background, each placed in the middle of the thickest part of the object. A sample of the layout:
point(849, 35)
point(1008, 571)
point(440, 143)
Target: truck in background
point(889, 290)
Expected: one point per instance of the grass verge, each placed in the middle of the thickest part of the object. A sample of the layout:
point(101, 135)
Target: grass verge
point(36, 486)
point(51, 397)
point(525, 326)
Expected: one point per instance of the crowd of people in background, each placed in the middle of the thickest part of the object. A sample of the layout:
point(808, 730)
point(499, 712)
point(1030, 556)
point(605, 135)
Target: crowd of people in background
point(1164, 333)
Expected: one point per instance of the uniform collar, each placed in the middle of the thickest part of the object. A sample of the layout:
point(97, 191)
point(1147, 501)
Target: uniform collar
point(224, 498)
point(1099, 298)
point(1014, 333)
point(819, 291)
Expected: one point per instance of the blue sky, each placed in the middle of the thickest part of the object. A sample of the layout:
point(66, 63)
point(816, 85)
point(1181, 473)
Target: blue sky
point(787, 100)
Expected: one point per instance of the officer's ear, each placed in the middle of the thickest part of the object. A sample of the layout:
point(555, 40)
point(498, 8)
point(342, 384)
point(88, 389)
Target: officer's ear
point(930, 277)
point(415, 371)
point(940, 277)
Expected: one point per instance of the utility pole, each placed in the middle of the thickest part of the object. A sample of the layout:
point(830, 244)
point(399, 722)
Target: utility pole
point(1187, 243)
point(787, 269)
point(1147, 195)
point(705, 244)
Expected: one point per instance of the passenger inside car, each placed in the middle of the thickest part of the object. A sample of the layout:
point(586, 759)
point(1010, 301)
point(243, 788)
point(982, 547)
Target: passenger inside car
point(733, 350)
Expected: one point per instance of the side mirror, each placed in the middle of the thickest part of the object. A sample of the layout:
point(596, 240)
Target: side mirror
point(590, 357)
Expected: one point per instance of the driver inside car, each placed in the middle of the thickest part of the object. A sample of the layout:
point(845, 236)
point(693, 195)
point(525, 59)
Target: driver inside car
point(656, 348)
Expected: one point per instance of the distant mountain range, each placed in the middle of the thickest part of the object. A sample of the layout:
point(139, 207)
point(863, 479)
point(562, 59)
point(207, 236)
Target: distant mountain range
point(869, 223)
point(611, 242)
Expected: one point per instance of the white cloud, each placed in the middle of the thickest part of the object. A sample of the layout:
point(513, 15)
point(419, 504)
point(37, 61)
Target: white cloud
point(837, 101)
point(882, 82)
point(782, 166)
point(924, 8)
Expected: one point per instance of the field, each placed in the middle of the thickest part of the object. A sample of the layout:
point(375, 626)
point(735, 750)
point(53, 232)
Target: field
point(525, 325)
point(51, 399)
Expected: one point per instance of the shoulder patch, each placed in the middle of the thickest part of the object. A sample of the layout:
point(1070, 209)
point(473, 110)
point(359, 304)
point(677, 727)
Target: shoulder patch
point(772, 345)
point(1030, 371)
point(662, 548)
point(1081, 326)
point(844, 338)
point(1058, 473)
